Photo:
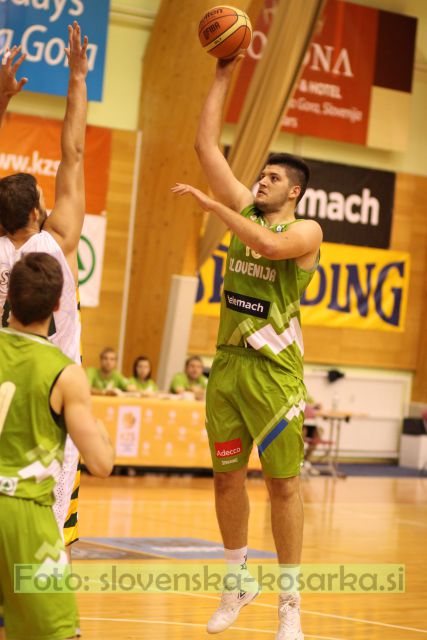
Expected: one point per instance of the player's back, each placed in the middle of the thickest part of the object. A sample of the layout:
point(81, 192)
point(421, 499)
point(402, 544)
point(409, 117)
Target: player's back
point(66, 329)
point(32, 437)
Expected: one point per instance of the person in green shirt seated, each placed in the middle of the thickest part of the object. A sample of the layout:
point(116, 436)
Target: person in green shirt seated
point(107, 380)
point(141, 380)
point(191, 380)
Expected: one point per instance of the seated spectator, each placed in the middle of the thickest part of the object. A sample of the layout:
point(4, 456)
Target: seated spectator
point(191, 380)
point(107, 380)
point(141, 379)
point(311, 433)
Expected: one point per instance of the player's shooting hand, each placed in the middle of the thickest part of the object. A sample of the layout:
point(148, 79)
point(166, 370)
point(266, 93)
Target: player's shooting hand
point(225, 67)
point(9, 85)
point(76, 51)
point(201, 198)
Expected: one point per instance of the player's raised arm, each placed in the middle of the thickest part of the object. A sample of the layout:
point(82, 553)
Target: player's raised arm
point(9, 85)
point(66, 220)
point(221, 179)
point(299, 240)
point(88, 434)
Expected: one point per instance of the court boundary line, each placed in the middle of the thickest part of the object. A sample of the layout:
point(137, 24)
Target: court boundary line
point(194, 624)
point(315, 613)
point(305, 611)
point(319, 613)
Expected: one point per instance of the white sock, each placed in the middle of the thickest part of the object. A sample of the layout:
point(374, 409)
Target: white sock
point(289, 581)
point(237, 570)
point(236, 556)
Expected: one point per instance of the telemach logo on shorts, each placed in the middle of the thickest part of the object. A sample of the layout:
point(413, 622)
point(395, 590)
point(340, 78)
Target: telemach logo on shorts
point(228, 449)
point(246, 304)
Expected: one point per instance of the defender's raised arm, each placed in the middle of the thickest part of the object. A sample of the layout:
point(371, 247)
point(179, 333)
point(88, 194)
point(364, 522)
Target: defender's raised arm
point(66, 220)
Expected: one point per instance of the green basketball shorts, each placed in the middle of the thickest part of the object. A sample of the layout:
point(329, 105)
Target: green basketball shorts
point(29, 535)
point(252, 399)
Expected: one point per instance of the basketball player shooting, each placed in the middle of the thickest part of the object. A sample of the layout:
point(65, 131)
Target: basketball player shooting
point(28, 228)
point(256, 391)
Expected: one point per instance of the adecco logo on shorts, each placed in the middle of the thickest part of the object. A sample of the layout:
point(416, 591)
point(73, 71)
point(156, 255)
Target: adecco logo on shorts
point(228, 449)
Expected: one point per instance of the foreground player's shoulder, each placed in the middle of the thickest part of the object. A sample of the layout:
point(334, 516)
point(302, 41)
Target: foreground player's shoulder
point(73, 374)
point(309, 228)
point(308, 225)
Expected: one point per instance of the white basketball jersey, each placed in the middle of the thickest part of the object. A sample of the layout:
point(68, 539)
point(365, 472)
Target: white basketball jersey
point(66, 319)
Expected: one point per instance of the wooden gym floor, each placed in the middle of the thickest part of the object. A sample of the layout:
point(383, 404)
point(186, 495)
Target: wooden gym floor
point(356, 520)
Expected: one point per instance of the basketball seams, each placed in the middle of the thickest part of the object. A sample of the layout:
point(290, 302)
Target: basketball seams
point(232, 29)
point(225, 22)
point(206, 25)
point(232, 12)
point(243, 38)
point(203, 25)
point(247, 32)
point(210, 48)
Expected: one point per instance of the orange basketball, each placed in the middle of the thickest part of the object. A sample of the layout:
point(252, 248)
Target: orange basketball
point(225, 31)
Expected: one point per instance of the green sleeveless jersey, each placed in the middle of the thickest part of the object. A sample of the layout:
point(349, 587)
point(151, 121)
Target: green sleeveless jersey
point(260, 306)
point(31, 441)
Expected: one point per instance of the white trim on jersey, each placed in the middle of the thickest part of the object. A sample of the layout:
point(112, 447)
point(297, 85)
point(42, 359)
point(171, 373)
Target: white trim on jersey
point(277, 341)
point(30, 336)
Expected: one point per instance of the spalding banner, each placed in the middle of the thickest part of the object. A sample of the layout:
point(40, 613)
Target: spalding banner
point(40, 27)
point(354, 287)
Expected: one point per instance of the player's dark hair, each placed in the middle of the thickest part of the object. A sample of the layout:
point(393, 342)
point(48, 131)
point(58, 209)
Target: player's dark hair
point(191, 358)
point(107, 350)
point(18, 197)
point(35, 287)
point(135, 366)
point(297, 170)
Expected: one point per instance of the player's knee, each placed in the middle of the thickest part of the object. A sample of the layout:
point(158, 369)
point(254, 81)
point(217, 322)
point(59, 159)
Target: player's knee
point(283, 488)
point(230, 481)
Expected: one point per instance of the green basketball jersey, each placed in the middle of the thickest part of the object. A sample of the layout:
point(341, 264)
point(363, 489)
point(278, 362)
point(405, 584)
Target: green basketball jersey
point(260, 306)
point(143, 385)
point(31, 441)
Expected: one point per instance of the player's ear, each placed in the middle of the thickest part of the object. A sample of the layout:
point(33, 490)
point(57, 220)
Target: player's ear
point(295, 192)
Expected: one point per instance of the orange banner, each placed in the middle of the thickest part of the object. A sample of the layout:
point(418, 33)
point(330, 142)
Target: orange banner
point(158, 433)
point(33, 145)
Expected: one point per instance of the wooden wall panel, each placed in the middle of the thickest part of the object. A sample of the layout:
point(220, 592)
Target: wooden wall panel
point(101, 325)
point(405, 350)
point(203, 335)
point(414, 189)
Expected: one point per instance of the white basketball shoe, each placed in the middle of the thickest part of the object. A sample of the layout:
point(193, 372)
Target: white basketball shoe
point(289, 617)
point(229, 609)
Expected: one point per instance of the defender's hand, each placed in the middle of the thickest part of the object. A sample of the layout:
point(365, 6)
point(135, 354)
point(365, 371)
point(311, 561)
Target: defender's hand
point(76, 51)
point(9, 85)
